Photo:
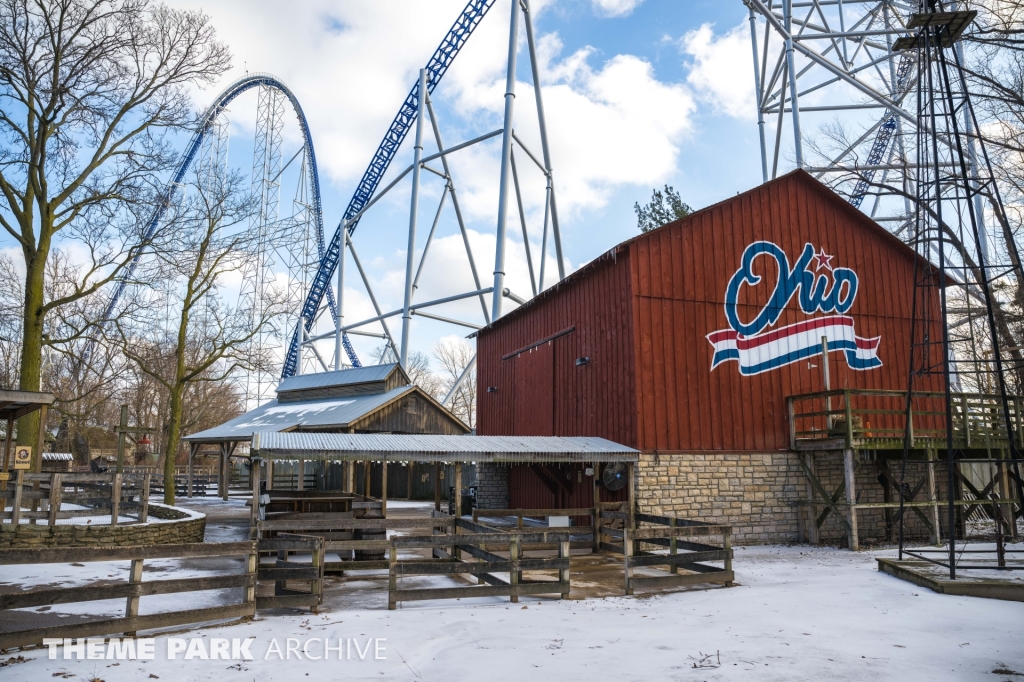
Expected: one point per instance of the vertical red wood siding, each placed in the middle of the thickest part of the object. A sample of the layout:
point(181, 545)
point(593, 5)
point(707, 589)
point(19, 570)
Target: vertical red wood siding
point(528, 491)
point(592, 399)
point(642, 313)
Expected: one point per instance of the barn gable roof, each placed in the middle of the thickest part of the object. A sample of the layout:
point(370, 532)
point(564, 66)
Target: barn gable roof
point(798, 175)
point(319, 415)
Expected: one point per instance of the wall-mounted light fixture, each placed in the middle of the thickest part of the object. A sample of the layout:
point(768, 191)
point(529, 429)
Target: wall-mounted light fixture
point(582, 361)
point(492, 389)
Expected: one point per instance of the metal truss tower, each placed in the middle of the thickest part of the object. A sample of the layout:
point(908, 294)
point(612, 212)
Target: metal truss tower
point(975, 279)
point(417, 114)
point(832, 98)
point(257, 280)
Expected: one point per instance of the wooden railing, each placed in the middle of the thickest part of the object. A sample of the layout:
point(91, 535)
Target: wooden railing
point(483, 543)
point(41, 498)
point(360, 542)
point(666, 532)
point(132, 591)
point(580, 531)
point(875, 419)
point(251, 574)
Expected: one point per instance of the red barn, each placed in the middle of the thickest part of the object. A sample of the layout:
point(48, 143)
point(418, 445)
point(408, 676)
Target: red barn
point(685, 343)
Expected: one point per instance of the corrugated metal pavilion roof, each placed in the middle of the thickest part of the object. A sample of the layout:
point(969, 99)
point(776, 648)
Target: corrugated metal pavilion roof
point(435, 448)
point(275, 416)
point(342, 377)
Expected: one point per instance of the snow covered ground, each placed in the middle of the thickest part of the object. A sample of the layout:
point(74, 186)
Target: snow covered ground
point(797, 613)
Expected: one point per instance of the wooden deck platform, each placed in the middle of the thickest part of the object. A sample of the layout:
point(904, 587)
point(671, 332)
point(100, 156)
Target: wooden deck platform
point(851, 419)
point(926, 574)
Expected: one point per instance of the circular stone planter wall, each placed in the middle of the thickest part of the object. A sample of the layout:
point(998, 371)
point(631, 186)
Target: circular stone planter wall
point(167, 525)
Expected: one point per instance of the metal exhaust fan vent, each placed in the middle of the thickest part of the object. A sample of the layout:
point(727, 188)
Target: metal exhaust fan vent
point(614, 476)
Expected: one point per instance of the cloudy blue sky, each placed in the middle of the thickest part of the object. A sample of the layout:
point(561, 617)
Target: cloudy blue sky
point(639, 93)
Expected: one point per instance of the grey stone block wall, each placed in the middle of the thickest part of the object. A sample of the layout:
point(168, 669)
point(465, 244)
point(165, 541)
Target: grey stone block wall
point(756, 493)
point(492, 486)
point(178, 526)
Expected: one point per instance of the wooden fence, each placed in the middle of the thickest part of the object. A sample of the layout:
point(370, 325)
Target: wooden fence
point(580, 531)
point(668, 532)
point(253, 572)
point(483, 543)
point(285, 571)
point(361, 543)
point(131, 591)
point(42, 497)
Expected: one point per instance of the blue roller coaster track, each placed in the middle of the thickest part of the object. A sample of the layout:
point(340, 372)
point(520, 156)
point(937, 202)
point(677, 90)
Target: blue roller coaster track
point(437, 66)
point(192, 150)
point(883, 137)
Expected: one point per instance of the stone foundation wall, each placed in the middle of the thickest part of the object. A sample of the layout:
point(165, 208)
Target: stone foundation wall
point(492, 486)
point(756, 493)
point(171, 526)
point(751, 492)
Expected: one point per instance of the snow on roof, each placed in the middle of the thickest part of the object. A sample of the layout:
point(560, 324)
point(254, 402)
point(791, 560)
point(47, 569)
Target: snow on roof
point(343, 377)
point(275, 416)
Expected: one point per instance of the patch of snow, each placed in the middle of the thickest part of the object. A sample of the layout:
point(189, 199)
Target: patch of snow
point(796, 614)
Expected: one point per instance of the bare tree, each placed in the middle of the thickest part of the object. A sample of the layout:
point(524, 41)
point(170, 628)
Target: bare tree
point(90, 91)
point(209, 340)
point(455, 355)
point(419, 370)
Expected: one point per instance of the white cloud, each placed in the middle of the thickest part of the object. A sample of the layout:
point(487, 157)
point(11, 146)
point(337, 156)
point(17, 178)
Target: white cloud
point(722, 71)
point(615, 8)
point(351, 64)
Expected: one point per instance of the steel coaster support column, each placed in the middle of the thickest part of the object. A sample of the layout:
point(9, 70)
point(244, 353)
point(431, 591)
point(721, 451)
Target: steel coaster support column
point(458, 209)
point(759, 95)
point(339, 318)
point(791, 67)
point(506, 151)
point(522, 223)
point(544, 236)
point(542, 124)
point(462, 378)
point(413, 211)
point(430, 237)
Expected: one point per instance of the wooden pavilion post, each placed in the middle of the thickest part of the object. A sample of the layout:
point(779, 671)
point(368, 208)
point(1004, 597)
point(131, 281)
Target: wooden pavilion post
point(933, 497)
point(350, 476)
point(384, 488)
point(270, 474)
point(222, 473)
point(192, 447)
point(7, 459)
point(367, 468)
point(456, 552)
point(597, 508)
point(408, 481)
point(254, 479)
point(301, 485)
point(437, 486)
point(631, 484)
point(812, 508)
point(851, 497)
point(458, 489)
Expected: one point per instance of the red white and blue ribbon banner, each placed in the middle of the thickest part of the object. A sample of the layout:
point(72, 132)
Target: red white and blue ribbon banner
point(789, 344)
point(757, 349)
